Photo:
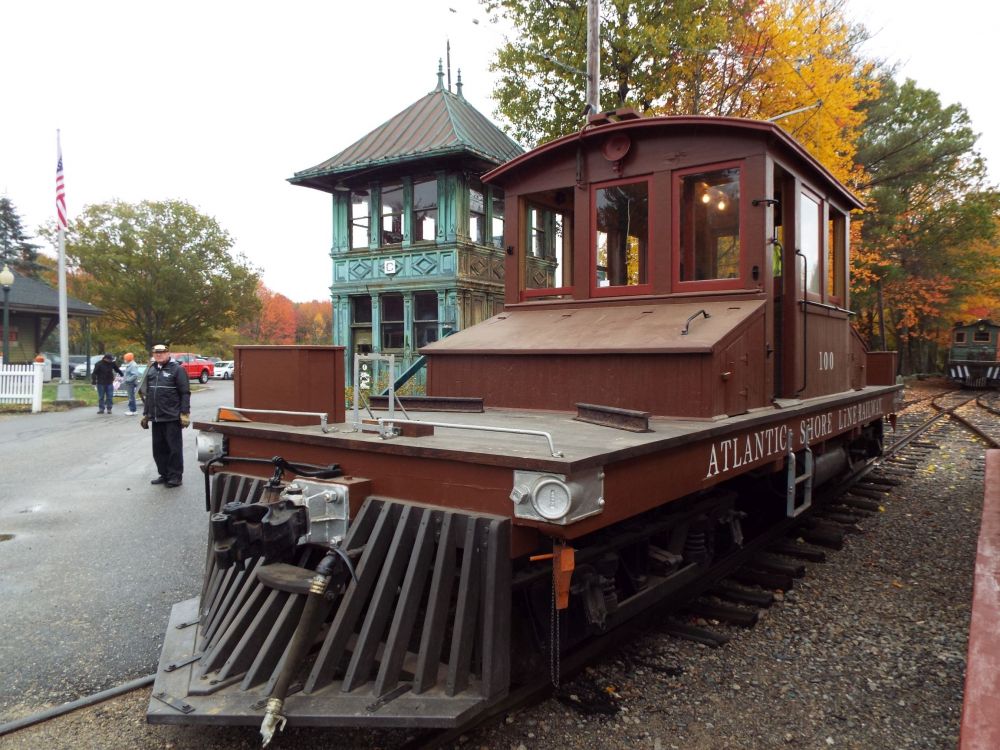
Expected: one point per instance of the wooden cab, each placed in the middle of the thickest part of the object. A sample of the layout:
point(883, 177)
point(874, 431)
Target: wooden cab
point(694, 267)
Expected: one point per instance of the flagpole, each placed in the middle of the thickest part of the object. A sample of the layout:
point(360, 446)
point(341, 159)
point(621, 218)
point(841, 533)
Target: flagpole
point(64, 392)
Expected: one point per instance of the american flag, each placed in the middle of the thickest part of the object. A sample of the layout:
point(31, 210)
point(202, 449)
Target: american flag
point(60, 186)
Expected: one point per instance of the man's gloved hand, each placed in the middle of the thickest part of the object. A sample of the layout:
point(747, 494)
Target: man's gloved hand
point(144, 422)
point(185, 420)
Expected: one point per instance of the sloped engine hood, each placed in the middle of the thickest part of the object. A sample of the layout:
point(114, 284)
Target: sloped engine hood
point(653, 329)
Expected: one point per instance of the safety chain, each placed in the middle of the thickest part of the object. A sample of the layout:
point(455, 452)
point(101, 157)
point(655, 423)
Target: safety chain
point(555, 668)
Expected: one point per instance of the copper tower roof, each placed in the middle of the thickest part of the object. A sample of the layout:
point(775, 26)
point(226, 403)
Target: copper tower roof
point(441, 124)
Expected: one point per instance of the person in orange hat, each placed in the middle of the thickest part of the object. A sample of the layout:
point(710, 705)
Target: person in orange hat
point(131, 381)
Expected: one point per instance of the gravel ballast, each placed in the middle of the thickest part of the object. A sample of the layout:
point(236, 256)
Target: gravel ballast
point(867, 651)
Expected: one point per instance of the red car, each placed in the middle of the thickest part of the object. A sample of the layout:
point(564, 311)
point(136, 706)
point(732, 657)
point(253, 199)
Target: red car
point(198, 368)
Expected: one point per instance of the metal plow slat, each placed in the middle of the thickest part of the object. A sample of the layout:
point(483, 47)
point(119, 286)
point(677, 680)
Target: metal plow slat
point(420, 638)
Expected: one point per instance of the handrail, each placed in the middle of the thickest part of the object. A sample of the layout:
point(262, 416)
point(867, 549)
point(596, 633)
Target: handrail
point(239, 410)
point(687, 324)
point(383, 422)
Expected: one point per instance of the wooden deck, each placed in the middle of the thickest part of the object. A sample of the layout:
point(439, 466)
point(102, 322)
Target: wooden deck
point(582, 445)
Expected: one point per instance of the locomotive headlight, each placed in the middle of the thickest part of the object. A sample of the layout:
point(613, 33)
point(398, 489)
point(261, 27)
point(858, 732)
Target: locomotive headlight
point(551, 498)
point(556, 498)
point(210, 445)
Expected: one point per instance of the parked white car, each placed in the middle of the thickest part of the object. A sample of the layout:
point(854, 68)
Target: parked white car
point(224, 369)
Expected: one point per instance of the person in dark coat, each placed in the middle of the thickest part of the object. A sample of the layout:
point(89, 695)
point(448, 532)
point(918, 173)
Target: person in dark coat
point(167, 407)
point(103, 377)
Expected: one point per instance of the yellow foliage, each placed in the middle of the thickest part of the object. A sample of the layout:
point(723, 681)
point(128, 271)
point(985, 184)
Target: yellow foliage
point(813, 60)
point(785, 56)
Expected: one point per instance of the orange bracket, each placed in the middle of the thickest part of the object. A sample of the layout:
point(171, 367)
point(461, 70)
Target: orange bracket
point(229, 415)
point(563, 563)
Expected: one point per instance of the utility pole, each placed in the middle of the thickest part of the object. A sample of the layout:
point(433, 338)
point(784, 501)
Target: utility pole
point(881, 314)
point(594, 56)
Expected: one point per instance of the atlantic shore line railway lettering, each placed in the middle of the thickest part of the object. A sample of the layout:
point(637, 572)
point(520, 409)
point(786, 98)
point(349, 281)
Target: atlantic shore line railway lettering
point(750, 447)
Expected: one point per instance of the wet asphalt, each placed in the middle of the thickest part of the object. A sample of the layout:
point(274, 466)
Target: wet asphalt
point(92, 556)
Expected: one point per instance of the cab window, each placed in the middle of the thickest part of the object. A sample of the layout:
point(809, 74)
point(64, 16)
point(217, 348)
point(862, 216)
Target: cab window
point(810, 213)
point(620, 232)
point(708, 227)
point(836, 257)
point(547, 239)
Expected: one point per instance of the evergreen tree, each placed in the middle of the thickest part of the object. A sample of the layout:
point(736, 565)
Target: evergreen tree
point(15, 248)
point(929, 235)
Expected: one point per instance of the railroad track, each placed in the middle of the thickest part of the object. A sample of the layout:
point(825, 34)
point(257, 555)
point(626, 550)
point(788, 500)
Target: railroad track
point(976, 412)
point(739, 588)
point(924, 398)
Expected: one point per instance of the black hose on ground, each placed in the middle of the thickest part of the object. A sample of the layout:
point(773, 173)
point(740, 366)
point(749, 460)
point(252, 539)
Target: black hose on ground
point(65, 708)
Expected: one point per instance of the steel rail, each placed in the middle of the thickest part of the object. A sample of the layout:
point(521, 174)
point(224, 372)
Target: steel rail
point(991, 441)
point(914, 402)
point(925, 425)
point(988, 407)
point(950, 412)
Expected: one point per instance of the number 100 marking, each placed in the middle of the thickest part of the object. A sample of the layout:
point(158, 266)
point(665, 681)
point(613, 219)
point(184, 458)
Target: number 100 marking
point(826, 360)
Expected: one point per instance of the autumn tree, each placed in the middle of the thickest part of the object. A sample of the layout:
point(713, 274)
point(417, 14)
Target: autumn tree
point(716, 57)
point(641, 42)
point(982, 297)
point(313, 322)
point(803, 54)
point(274, 324)
point(16, 249)
point(930, 231)
point(160, 270)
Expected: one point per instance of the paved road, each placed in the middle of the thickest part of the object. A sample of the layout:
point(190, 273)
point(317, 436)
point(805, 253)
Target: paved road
point(98, 555)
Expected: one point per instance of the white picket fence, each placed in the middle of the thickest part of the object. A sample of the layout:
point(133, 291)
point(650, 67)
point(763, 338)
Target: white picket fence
point(21, 384)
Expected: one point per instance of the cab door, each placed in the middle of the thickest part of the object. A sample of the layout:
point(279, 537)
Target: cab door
point(736, 377)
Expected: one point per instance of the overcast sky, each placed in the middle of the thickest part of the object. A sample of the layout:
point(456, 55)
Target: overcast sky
point(218, 103)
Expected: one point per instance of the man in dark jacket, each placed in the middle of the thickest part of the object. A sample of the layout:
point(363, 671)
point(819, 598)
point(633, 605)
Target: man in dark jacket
point(168, 407)
point(103, 377)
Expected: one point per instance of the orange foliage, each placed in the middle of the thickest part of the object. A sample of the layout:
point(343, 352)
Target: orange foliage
point(276, 323)
point(916, 300)
point(983, 299)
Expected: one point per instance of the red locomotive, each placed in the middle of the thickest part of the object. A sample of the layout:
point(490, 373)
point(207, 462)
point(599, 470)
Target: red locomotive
point(674, 371)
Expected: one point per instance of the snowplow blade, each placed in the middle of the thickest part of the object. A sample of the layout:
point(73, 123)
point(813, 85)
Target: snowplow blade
point(419, 639)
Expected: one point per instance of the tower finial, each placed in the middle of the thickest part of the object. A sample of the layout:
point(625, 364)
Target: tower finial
point(440, 73)
point(458, 84)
